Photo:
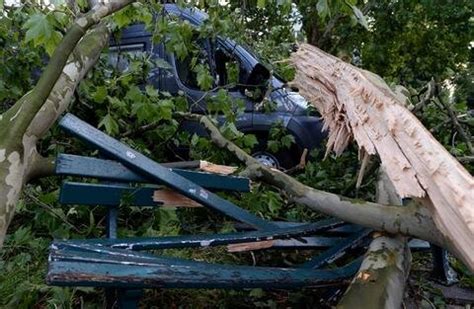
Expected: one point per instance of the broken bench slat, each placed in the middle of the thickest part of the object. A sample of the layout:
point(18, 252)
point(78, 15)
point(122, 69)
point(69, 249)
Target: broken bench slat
point(170, 198)
point(152, 170)
point(73, 165)
point(204, 166)
point(343, 229)
point(190, 241)
point(316, 242)
point(92, 194)
point(332, 254)
point(139, 271)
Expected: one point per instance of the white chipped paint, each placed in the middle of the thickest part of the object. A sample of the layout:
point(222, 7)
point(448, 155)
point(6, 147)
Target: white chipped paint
point(17, 113)
point(203, 193)
point(71, 70)
point(206, 243)
point(130, 154)
point(14, 179)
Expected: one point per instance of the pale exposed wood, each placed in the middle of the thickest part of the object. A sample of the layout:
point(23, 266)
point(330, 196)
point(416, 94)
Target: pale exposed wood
point(381, 279)
point(365, 158)
point(204, 166)
point(171, 198)
point(265, 244)
point(357, 104)
point(216, 168)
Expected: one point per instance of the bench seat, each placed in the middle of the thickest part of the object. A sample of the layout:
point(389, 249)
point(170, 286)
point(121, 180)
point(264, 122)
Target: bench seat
point(97, 266)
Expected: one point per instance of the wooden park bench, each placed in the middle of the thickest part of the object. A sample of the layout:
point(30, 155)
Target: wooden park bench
point(125, 266)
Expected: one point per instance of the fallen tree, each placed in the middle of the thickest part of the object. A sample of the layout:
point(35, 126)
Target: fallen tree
point(413, 219)
point(357, 104)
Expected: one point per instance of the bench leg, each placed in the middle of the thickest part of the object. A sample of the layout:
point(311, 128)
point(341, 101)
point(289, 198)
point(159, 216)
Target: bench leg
point(442, 271)
point(122, 298)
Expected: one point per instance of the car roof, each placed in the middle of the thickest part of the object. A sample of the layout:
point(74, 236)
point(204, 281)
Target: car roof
point(195, 16)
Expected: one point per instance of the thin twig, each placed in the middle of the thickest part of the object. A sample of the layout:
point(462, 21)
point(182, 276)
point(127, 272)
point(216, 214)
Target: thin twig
point(50, 209)
point(454, 119)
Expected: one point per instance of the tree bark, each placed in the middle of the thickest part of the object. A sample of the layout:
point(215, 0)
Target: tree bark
point(357, 104)
point(19, 160)
point(381, 279)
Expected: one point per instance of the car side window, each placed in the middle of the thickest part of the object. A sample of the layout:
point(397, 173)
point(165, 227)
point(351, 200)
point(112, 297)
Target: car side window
point(227, 68)
point(187, 67)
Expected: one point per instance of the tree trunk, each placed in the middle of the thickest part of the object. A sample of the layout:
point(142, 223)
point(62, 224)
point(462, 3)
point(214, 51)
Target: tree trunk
point(357, 104)
point(25, 122)
point(380, 281)
point(19, 161)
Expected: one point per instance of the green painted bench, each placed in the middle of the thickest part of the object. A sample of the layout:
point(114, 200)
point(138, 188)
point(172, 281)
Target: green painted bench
point(125, 266)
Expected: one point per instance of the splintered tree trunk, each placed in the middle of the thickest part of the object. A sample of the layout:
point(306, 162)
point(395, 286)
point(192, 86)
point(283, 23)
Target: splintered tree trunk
point(357, 104)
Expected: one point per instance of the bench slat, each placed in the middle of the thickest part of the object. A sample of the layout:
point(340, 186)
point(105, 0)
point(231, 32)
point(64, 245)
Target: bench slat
point(73, 165)
point(75, 193)
point(150, 169)
point(91, 194)
point(189, 241)
point(110, 271)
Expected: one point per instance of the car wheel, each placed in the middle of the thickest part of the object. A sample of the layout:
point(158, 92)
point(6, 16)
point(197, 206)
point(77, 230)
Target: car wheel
point(267, 159)
point(283, 159)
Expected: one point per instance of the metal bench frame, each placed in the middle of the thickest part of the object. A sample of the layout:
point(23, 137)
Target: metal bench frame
point(119, 264)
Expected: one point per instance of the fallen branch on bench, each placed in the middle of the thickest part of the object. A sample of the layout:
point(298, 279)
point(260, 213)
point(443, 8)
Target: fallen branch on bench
point(413, 219)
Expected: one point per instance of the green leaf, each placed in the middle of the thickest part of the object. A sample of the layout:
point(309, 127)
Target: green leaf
point(273, 146)
point(287, 140)
point(257, 293)
point(143, 111)
point(360, 17)
point(37, 28)
point(82, 4)
point(151, 91)
point(162, 64)
point(250, 141)
point(111, 126)
point(204, 78)
point(165, 109)
point(50, 45)
point(116, 102)
point(323, 8)
point(134, 94)
point(100, 94)
point(261, 4)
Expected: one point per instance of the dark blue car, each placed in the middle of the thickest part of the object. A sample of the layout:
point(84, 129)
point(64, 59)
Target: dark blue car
point(289, 108)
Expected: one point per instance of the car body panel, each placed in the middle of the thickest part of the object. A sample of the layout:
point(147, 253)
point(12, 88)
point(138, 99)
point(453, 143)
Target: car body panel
point(289, 107)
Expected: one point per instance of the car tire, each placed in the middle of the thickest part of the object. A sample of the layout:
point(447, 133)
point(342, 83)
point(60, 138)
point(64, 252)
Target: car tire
point(283, 159)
